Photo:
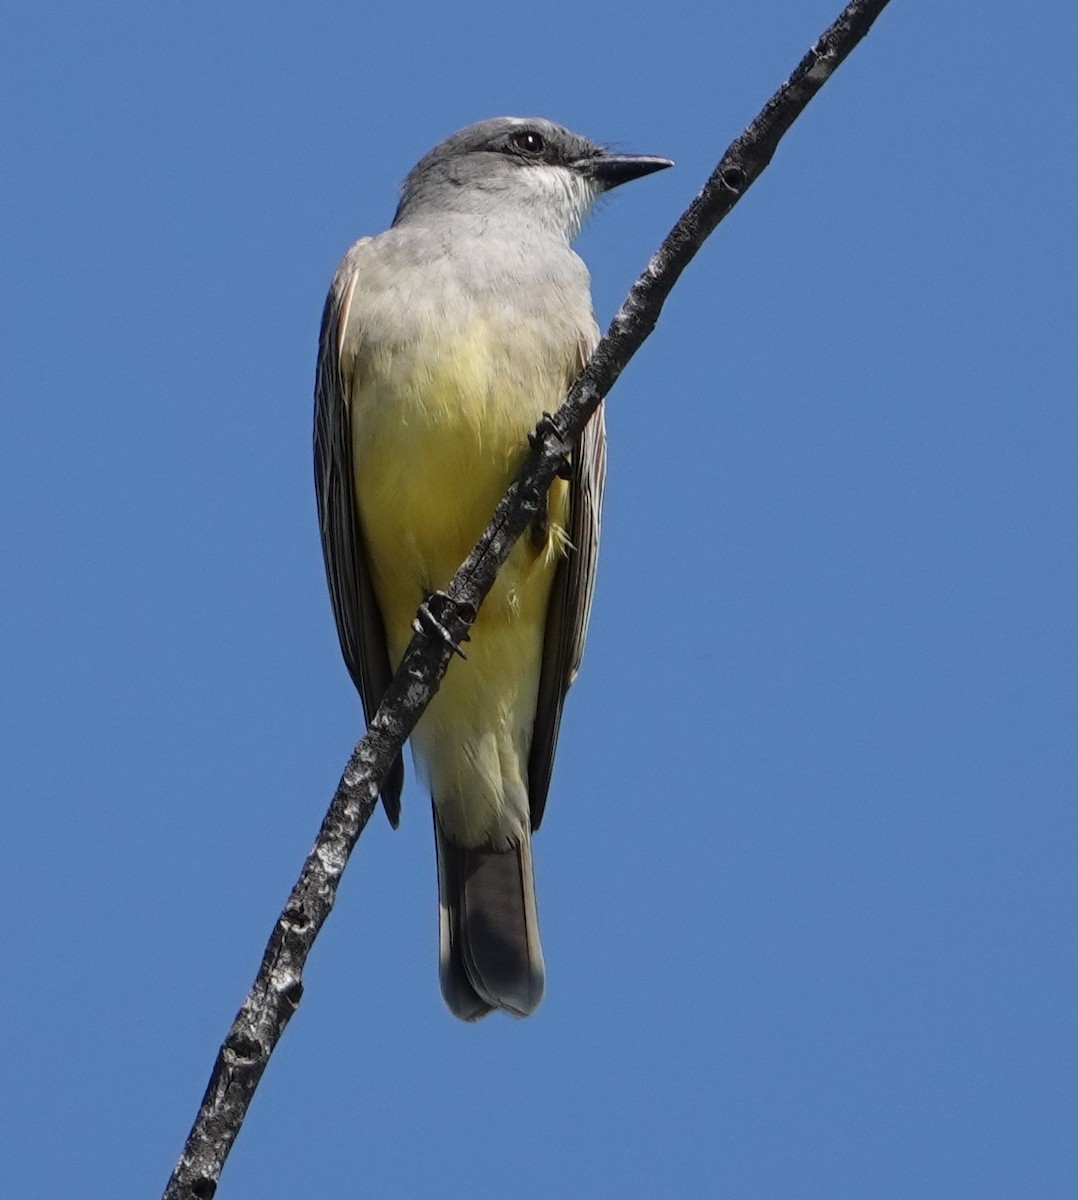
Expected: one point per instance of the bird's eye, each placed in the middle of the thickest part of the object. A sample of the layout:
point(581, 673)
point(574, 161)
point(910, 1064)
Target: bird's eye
point(528, 142)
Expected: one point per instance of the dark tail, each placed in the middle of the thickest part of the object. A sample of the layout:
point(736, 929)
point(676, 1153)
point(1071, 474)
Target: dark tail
point(489, 950)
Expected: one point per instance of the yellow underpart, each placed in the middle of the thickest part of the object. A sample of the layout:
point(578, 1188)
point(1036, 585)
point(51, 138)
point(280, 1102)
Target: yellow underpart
point(437, 437)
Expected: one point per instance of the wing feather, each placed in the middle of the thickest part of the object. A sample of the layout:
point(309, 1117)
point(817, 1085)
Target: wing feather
point(570, 603)
point(359, 621)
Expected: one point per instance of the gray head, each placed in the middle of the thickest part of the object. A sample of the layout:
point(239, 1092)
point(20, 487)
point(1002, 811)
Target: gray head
point(521, 168)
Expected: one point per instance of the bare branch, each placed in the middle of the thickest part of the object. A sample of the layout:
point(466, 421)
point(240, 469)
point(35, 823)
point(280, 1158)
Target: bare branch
point(278, 986)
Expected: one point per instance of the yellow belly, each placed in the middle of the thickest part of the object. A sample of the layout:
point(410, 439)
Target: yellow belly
point(437, 437)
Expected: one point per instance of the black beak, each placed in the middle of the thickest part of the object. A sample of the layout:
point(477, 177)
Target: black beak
point(612, 170)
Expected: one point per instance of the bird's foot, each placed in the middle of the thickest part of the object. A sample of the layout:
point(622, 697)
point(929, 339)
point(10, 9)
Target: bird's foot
point(434, 617)
point(549, 427)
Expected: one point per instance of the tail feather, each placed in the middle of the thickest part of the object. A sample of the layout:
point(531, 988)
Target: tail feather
point(490, 956)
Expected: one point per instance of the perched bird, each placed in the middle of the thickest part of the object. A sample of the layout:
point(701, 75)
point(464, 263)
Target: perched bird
point(444, 340)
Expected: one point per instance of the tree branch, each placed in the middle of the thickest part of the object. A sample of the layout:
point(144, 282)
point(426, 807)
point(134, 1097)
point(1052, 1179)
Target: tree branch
point(278, 986)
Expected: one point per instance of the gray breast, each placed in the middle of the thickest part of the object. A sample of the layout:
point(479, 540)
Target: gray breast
point(424, 278)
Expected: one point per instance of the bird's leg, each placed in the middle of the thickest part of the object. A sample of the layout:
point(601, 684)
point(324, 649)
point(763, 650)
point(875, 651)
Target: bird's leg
point(540, 527)
point(548, 427)
point(435, 615)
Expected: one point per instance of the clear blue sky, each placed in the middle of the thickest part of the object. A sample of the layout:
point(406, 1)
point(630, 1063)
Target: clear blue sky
point(809, 872)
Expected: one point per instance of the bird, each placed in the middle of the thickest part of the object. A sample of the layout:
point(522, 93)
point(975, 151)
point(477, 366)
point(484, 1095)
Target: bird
point(444, 341)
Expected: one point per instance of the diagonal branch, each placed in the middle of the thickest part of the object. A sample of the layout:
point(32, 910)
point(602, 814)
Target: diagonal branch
point(278, 986)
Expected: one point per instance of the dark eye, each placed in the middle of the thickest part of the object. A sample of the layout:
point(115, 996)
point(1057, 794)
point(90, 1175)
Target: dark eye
point(528, 142)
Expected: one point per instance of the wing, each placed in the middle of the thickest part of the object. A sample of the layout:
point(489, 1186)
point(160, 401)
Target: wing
point(359, 621)
point(570, 603)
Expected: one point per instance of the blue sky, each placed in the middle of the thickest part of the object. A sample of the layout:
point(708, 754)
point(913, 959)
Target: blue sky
point(807, 876)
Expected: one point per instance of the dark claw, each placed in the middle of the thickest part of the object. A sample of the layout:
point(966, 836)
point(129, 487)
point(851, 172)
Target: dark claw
point(547, 425)
point(429, 620)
